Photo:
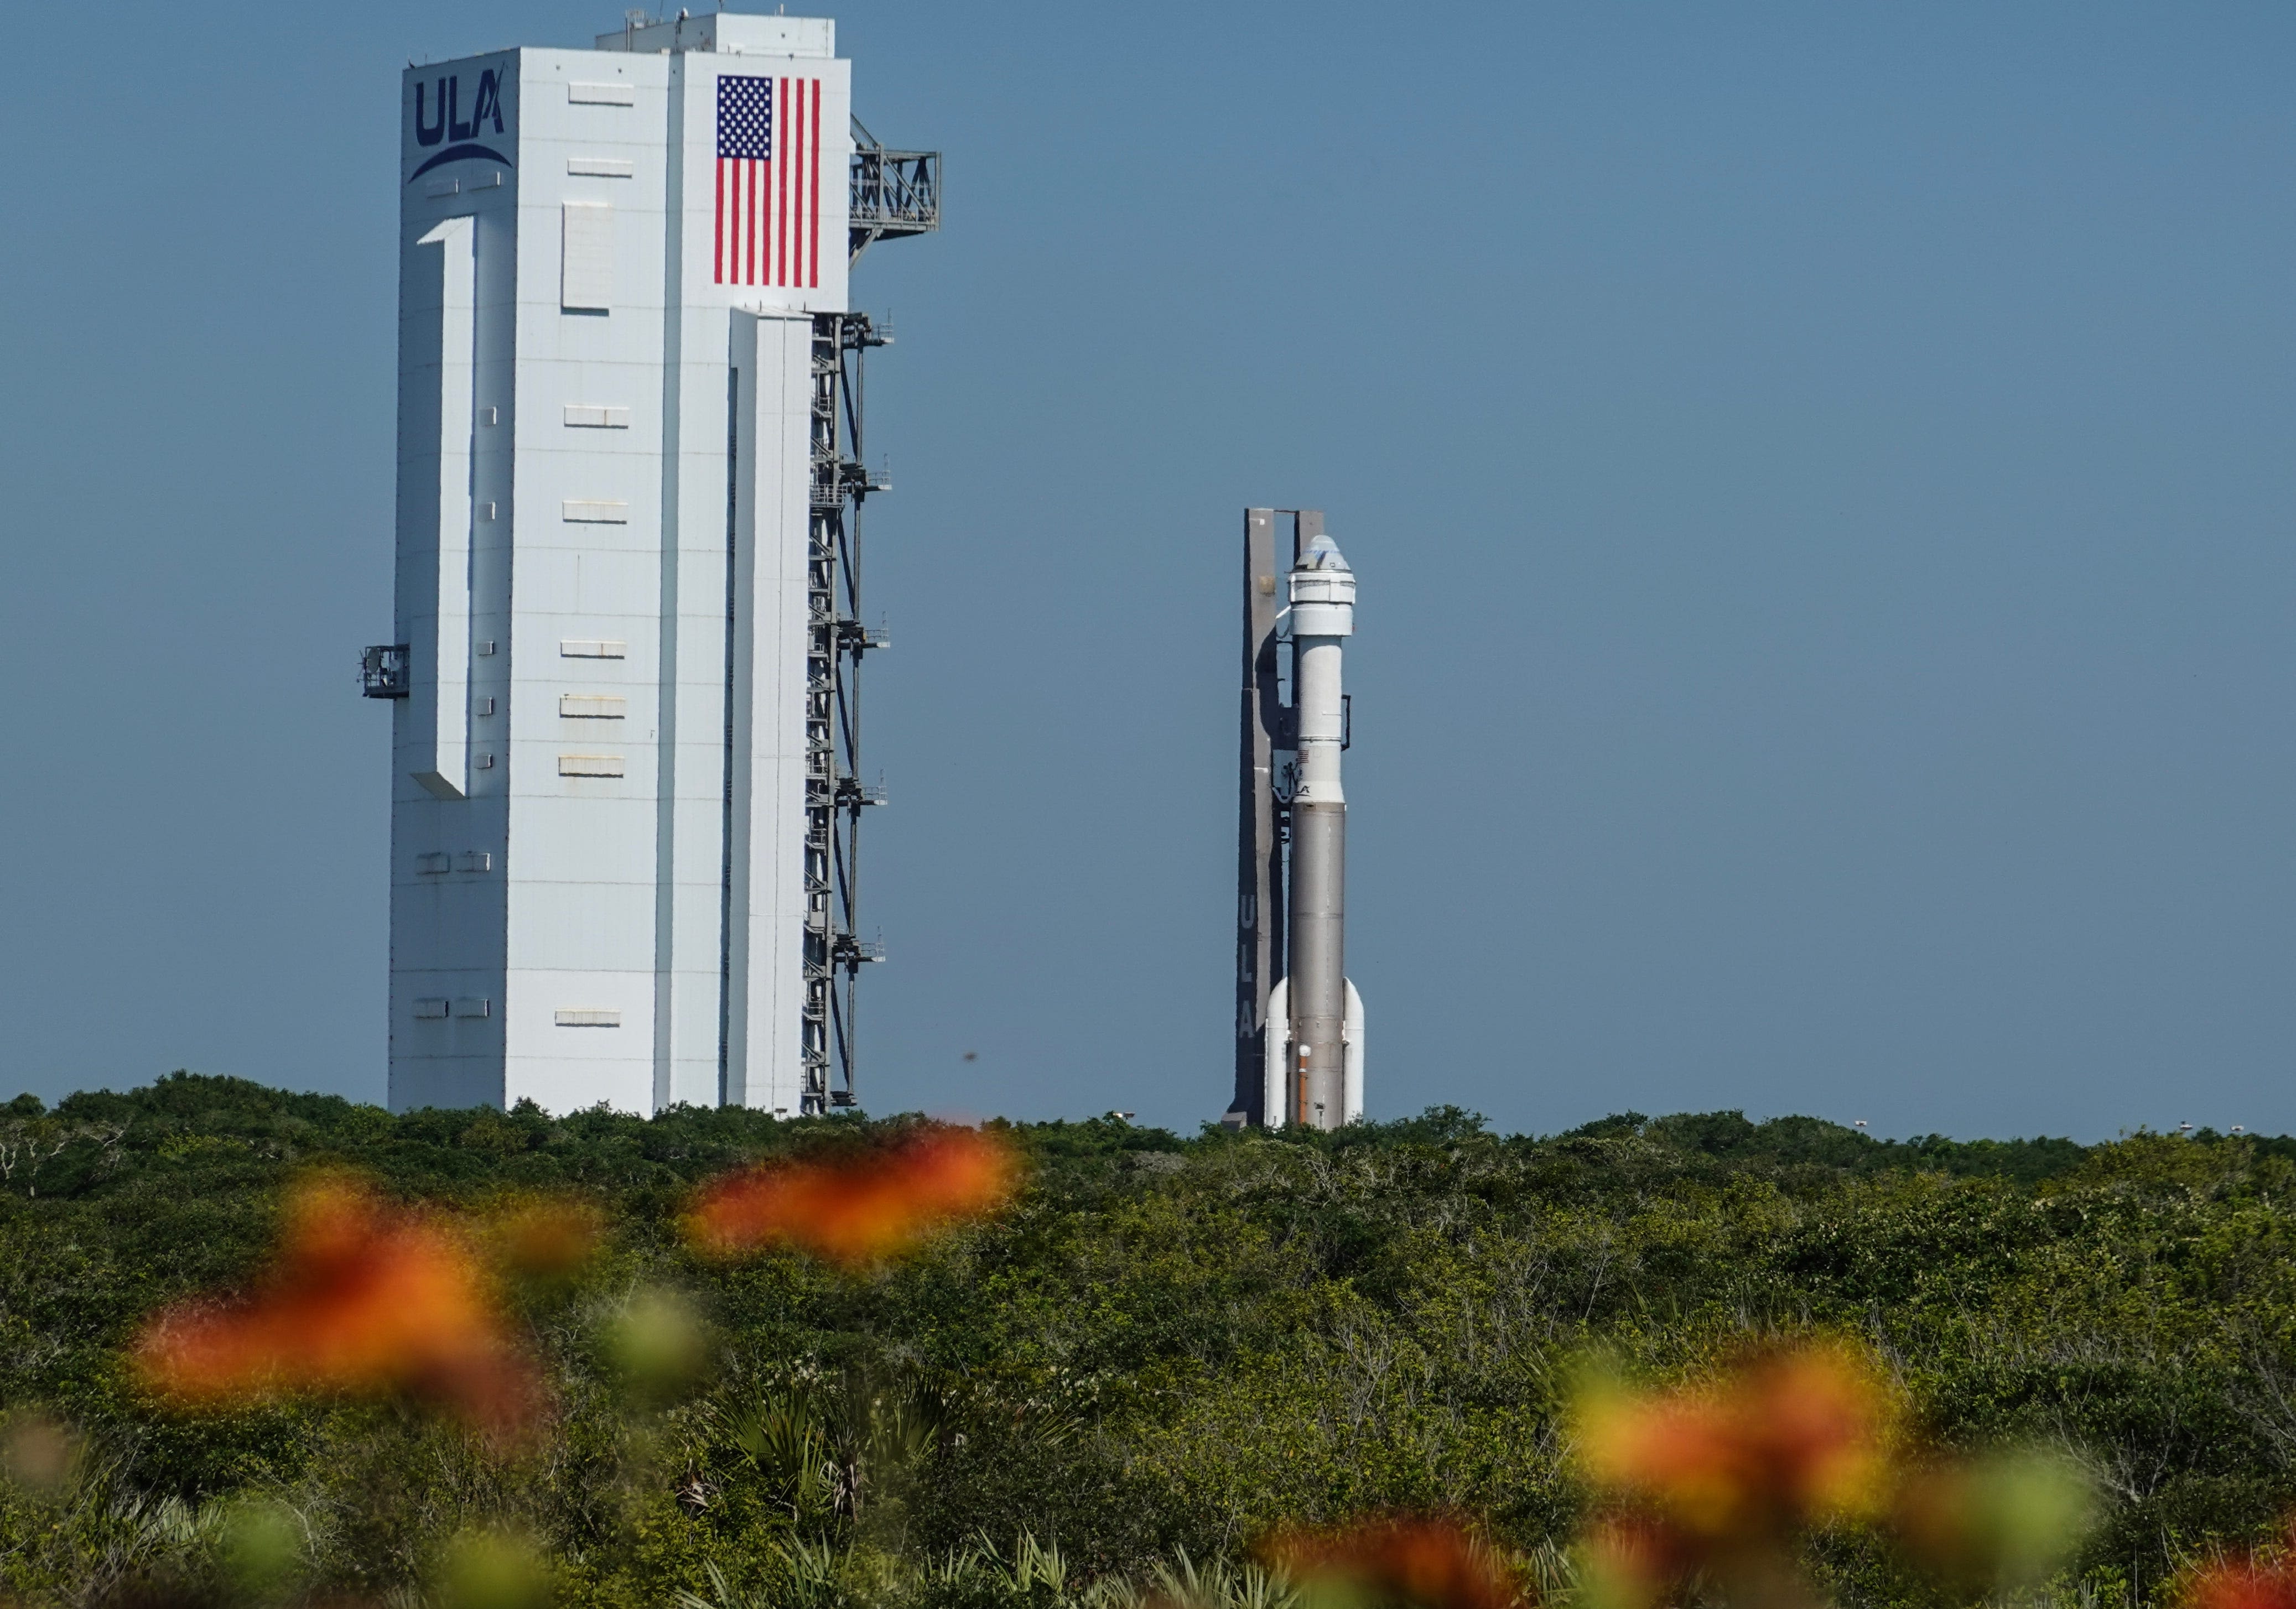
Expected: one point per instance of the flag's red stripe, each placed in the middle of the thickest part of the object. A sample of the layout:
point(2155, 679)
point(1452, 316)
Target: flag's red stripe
point(792, 124)
point(798, 188)
point(767, 221)
point(802, 88)
point(803, 201)
point(765, 193)
point(796, 185)
point(813, 215)
point(718, 252)
point(798, 177)
point(780, 193)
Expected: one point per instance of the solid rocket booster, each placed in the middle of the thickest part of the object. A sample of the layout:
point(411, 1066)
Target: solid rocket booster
point(1322, 618)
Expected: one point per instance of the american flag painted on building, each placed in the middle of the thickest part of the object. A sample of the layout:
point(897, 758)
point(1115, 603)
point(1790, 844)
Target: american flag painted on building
point(769, 181)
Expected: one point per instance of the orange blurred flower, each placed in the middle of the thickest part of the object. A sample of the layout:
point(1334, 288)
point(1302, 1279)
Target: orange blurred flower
point(2249, 1583)
point(857, 1210)
point(361, 1298)
point(1427, 1562)
point(1792, 1437)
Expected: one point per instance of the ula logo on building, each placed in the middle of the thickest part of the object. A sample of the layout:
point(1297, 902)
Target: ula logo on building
point(439, 116)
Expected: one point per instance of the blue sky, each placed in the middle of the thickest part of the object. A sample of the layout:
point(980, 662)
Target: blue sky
point(1819, 477)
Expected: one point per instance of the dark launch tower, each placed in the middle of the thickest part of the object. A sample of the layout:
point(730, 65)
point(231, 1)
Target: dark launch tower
point(1263, 818)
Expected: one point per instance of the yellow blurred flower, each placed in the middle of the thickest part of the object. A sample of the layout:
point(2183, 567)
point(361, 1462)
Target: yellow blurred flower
point(1790, 1436)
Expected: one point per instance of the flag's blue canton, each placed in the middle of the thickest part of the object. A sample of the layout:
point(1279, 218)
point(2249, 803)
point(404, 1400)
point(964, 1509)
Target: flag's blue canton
point(745, 118)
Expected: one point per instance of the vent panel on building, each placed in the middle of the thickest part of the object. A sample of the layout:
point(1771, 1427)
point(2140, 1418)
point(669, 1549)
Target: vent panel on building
point(590, 766)
point(586, 282)
point(593, 706)
point(597, 416)
point(577, 648)
point(431, 1007)
point(586, 1017)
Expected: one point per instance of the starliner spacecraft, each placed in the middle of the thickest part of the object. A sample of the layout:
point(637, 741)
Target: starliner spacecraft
point(1299, 1021)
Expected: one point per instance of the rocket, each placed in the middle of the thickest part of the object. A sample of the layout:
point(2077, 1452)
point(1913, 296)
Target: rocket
point(1309, 1025)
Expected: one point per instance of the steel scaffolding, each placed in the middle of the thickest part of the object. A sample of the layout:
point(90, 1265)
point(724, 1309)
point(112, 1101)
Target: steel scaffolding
point(837, 642)
point(893, 194)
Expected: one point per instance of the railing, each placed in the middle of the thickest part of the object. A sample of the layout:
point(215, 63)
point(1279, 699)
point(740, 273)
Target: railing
point(859, 478)
point(385, 672)
point(832, 484)
point(855, 637)
point(892, 193)
point(896, 191)
point(853, 951)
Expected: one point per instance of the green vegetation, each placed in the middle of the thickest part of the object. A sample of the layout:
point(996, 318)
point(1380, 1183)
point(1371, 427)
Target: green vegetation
point(1168, 1346)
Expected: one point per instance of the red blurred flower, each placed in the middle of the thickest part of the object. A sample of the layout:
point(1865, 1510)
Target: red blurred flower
point(361, 1298)
point(2247, 1584)
point(1427, 1562)
point(1790, 1437)
point(861, 1209)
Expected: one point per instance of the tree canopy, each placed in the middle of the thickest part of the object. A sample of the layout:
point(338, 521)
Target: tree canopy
point(1165, 1348)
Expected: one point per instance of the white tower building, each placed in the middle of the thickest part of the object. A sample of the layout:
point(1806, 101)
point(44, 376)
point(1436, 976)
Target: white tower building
point(624, 795)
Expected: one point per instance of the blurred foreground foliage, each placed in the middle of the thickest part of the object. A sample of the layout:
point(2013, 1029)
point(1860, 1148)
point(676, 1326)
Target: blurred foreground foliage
point(1167, 1350)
